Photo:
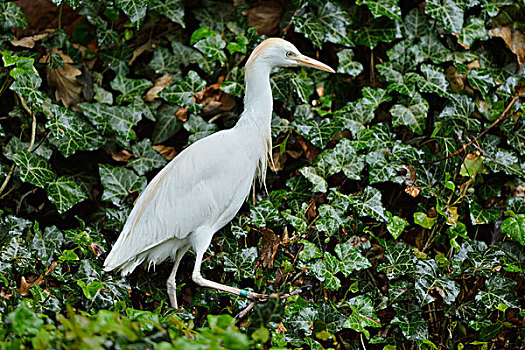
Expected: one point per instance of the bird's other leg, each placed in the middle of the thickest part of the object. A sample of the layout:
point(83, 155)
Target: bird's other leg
point(172, 284)
point(200, 242)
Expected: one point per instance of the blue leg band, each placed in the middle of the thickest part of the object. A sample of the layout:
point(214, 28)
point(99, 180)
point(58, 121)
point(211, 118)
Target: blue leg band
point(243, 293)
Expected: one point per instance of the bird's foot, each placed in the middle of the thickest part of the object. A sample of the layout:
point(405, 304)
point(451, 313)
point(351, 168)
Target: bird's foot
point(257, 297)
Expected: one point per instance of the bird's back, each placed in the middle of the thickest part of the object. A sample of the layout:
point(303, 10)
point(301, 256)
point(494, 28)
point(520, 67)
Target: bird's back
point(204, 186)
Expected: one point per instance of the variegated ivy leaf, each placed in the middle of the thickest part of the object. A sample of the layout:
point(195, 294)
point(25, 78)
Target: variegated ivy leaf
point(458, 112)
point(299, 223)
point(130, 88)
point(12, 16)
point(70, 132)
point(410, 320)
point(264, 213)
point(435, 80)
point(448, 12)
point(482, 80)
point(182, 92)
point(241, 263)
point(369, 204)
point(401, 261)
point(316, 130)
point(383, 168)
point(199, 128)
point(147, 159)
point(119, 182)
point(167, 124)
point(213, 47)
point(514, 227)
point(316, 176)
point(346, 63)
point(134, 9)
point(325, 271)
point(310, 251)
point(431, 280)
point(33, 168)
point(379, 30)
point(412, 112)
point(342, 158)
point(47, 244)
point(117, 58)
point(363, 315)
point(481, 216)
point(164, 61)
point(415, 24)
point(388, 8)
point(235, 84)
point(114, 119)
point(351, 258)
point(326, 23)
point(185, 55)
point(498, 290)
point(332, 217)
point(472, 31)
point(64, 193)
point(172, 9)
point(285, 83)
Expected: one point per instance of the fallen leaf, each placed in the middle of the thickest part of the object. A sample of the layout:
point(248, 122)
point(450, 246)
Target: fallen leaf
point(182, 114)
point(457, 81)
point(167, 152)
point(270, 243)
point(121, 156)
point(25, 285)
point(265, 17)
point(148, 46)
point(159, 85)
point(413, 190)
point(30, 41)
point(96, 249)
point(214, 100)
point(514, 39)
point(278, 160)
point(64, 79)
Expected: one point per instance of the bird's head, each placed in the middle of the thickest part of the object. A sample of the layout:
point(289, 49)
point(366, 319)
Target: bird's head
point(275, 52)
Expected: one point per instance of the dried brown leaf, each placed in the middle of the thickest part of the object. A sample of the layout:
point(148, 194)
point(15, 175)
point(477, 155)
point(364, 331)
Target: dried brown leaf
point(167, 152)
point(413, 190)
point(270, 243)
point(121, 156)
point(182, 114)
point(214, 100)
point(265, 17)
point(159, 85)
point(64, 79)
point(514, 38)
point(147, 46)
point(457, 81)
point(30, 41)
point(25, 285)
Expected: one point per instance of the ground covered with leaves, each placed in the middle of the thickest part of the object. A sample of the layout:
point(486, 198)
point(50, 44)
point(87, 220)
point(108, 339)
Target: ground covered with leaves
point(396, 201)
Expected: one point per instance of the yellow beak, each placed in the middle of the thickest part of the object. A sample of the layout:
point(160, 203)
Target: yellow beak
point(310, 62)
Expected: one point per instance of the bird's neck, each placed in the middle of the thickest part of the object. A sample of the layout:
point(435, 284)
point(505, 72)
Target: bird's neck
point(258, 100)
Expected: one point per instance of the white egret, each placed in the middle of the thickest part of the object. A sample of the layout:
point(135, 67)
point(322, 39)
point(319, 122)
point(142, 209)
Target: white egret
point(203, 188)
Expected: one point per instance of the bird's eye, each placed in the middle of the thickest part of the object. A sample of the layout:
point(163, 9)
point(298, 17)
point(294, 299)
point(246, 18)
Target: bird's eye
point(290, 54)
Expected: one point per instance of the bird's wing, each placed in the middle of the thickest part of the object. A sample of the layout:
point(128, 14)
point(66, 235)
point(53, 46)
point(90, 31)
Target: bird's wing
point(204, 186)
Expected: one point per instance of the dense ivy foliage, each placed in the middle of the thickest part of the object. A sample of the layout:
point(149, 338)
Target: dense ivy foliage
point(396, 203)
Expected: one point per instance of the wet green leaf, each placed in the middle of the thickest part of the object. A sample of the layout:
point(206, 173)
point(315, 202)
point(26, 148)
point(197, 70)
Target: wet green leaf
point(130, 88)
point(199, 128)
point(346, 63)
point(147, 159)
point(241, 263)
point(173, 9)
point(363, 315)
point(119, 183)
point(182, 92)
point(33, 169)
point(388, 8)
point(64, 193)
point(515, 228)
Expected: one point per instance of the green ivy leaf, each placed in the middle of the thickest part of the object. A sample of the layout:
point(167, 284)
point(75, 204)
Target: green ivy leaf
point(388, 8)
point(310, 251)
point(363, 315)
point(264, 213)
point(410, 320)
point(46, 245)
point(342, 158)
point(172, 9)
point(346, 63)
point(498, 290)
point(134, 9)
point(430, 48)
point(147, 159)
point(369, 204)
point(212, 47)
point(64, 193)
point(331, 217)
point(435, 80)
point(241, 263)
point(235, 85)
point(401, 261)
point(412, 112)
point(351, 258)
point(325, 271)
point(11, 16)
point(424, 220)
point(378, 30)
point(166, 125)
point(117, 58)
point(130, 88)
point(33, 168)
point(480, 216)
point(118, 183)
point(415, 24)
point(317, 131)
point(182, 92)
point(199, 128)
point(430, 278)
point(396, 225)
point(515, 228)
point(25, 321)
point(472, 31)
point(327, 23)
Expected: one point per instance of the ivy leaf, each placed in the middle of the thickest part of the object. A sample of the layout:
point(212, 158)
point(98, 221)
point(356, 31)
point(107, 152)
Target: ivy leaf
point(435, 80)
point(166, 125)
point(47, 244)
point(388, 8)
point(412, 112)
point(310, 251)
point(430, 278)
point(515, 228)
point(12, 16)
point(472, 31)
point(183, 91)
point(117, 58)
point(395, 225)
point(316, 177)
point(164, 61)
point(369, 204)
point(134, 9)
point(119, 120)
point(213, 47)
point(410, 320)
point(118, 183)
point(498, 290)
point(331, 217)
point(172, 9)
point(264, 213)
point(241, 263)
point(480, 216)
point(317, 131)
point(458, 112)
point(147, 159)
point(130, 88)
point(415, 24)
point(401, 261)
point(325, 271)
point(235, 85)
point(239, 45)
point(346, 63)
point(351, 258)
point(64, 193)
point(379, 30)
point(33, 168)
point(327, 23)
point(448, 12)
point(363, 315)
point(199, 128)
point(430, 48)
point(343, 158)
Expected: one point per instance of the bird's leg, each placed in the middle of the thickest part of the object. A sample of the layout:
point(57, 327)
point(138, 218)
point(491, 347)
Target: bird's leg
point(201, 281)
point(172, 284)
